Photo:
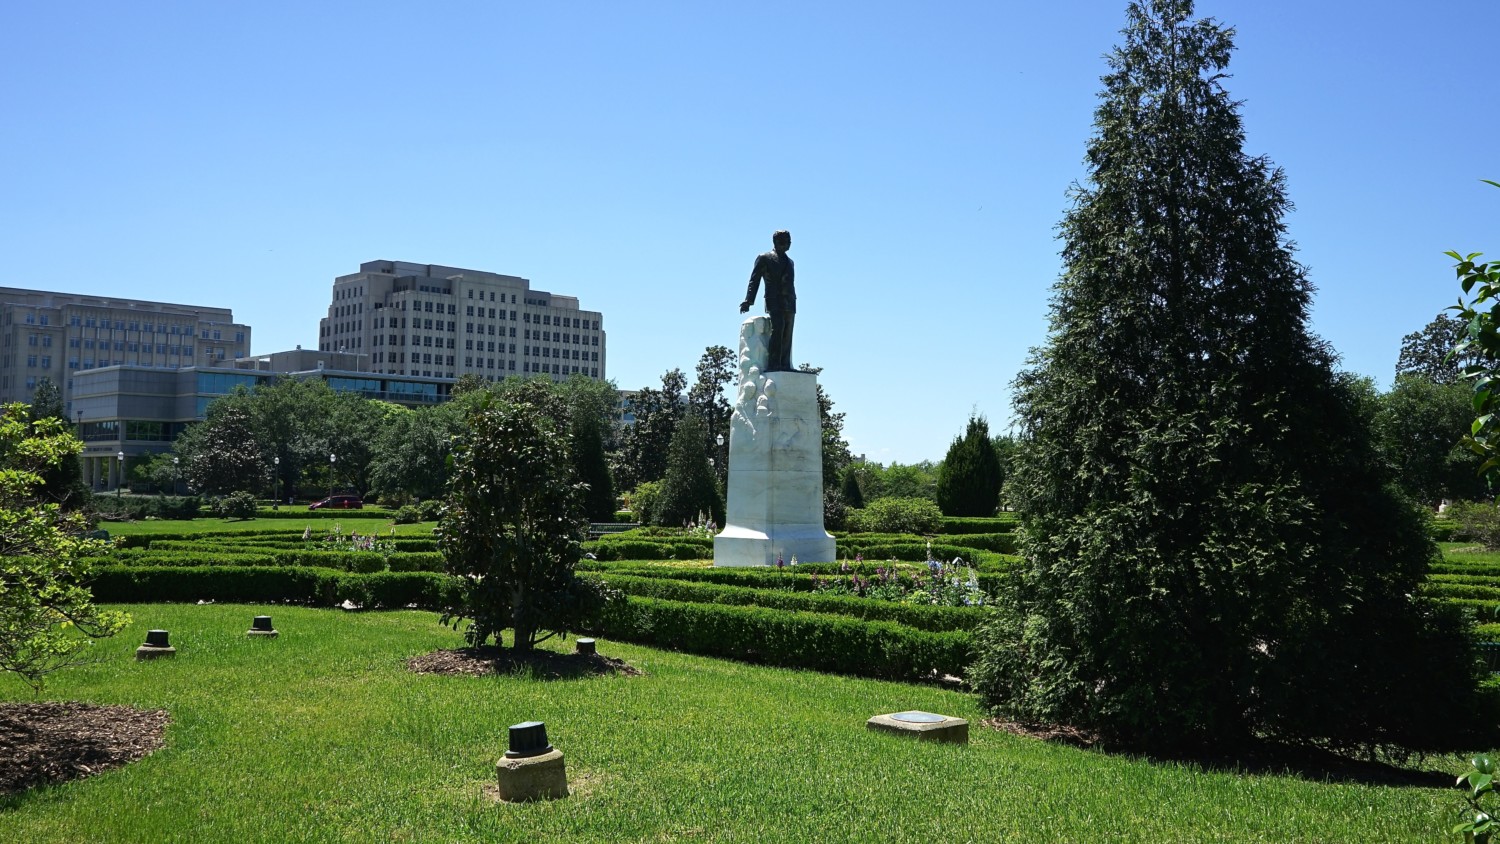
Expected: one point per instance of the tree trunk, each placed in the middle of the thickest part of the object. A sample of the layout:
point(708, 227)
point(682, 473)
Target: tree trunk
point(520, 619)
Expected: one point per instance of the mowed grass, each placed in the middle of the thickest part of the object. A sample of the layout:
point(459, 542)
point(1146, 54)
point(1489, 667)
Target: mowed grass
point(321, 526)
point(323, 735)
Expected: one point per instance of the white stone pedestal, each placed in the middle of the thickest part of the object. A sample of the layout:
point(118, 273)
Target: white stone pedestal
point(775, 505)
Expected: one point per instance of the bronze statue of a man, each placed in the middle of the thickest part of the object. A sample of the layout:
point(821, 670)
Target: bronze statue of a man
point(777, 269)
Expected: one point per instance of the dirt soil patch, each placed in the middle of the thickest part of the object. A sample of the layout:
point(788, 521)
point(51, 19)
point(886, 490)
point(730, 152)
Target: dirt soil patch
point(55, 742)
point(544, 665)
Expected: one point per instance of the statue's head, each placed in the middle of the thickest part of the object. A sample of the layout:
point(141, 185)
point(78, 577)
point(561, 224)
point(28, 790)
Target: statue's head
point(782, 240)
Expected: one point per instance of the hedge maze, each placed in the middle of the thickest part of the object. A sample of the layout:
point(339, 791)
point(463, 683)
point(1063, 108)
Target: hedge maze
point(864, 614)
point(838, 617)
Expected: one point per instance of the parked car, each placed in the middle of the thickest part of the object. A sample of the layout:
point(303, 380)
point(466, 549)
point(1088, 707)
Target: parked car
point(338, 502)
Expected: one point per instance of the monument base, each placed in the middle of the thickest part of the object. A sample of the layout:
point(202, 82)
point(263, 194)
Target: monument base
point(775, 485)
point(740, 546)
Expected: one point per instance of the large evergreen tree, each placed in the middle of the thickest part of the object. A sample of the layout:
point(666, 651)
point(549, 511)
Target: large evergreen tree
point(689, 488)
point(1212, 552)
point(969, 480)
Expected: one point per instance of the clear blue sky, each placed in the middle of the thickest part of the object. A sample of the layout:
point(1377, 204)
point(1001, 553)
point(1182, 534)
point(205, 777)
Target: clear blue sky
point(639, 155)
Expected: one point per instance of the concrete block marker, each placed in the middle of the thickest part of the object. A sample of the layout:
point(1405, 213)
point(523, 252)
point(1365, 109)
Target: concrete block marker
point(928, 726)
point(532, 769)
point(156, 646)
point(587, 646)
point(261, 626)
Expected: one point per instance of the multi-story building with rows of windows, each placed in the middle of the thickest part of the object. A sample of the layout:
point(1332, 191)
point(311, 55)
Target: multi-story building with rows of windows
point(442, 322)
point(57, 335)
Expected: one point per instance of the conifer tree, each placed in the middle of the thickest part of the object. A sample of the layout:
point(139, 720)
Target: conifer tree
point(593, 468)
point(853, 496)
point(1212, 554)
point(969, 480)
point(689, 487)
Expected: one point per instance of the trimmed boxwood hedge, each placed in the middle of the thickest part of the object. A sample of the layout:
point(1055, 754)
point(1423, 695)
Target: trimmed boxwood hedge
point(262, 584)
point(912, 615)
point(1460, 590)
point(832, 643)
point(916, 552)
point(640, 549)
point(789, 579)
point(208, 553)
point(957, 525)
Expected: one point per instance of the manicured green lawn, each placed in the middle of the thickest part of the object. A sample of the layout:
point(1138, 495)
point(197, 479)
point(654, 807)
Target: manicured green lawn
point(320, 526)
point(322, 735)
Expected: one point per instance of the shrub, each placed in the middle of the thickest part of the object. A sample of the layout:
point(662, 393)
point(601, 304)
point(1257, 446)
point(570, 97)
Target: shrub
point(237, 505)
point(407, 515)
point(896, 515)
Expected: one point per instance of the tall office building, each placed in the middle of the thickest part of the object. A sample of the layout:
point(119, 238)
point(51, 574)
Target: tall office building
point(57, 335)
point(442, 322)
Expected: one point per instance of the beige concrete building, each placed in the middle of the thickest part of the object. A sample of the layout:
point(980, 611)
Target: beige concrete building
point(58, 335)
point(434, 321)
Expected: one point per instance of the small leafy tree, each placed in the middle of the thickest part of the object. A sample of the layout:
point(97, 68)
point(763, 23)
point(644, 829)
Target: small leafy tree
point(690, 487)
point(969, 480)
point(62, 482)
point(1482, 345)
point(512, 526)
point(47, 616)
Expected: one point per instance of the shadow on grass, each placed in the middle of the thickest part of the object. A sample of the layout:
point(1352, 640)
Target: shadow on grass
point(537, 664)
point(1306, 762)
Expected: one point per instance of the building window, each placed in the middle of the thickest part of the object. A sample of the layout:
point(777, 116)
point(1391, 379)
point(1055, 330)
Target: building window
point(31, 360)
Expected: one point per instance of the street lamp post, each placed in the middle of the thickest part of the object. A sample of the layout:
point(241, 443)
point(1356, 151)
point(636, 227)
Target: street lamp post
point(332, 459)
point(119, 474)
point(174, 475)
point(276, 480)
point(719, 441)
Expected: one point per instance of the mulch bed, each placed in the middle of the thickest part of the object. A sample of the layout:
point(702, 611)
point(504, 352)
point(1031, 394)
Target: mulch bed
point(544, 665)
point(55, 742)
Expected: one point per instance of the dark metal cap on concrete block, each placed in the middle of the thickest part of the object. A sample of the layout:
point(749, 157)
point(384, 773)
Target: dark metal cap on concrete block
point(261, 622)
point(528, 738)
point(157, 638)
point(587, 646)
